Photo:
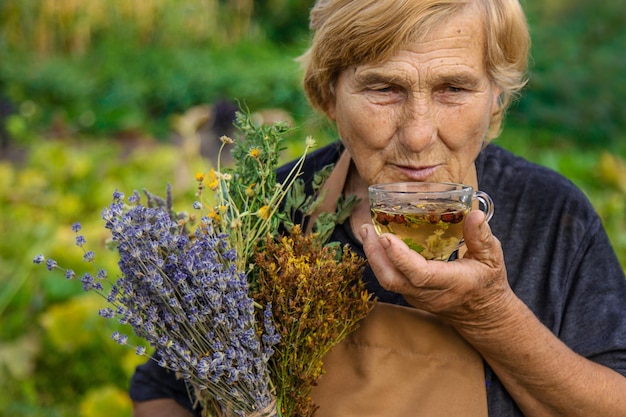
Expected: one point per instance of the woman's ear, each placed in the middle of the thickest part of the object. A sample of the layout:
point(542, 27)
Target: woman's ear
point(497, 101)
point(331, 108)
point(498, 105)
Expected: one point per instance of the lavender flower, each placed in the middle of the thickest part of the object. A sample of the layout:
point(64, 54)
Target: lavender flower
point(184, 295)
point(80, 241)
point(51, 264)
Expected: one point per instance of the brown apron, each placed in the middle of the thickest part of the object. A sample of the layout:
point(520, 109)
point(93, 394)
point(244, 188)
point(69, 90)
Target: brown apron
point(400, 362)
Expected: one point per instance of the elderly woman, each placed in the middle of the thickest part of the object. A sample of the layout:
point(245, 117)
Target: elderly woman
point(418, 89)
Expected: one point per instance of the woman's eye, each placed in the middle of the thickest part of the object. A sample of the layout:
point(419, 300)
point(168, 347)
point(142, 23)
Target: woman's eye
point(453, 89)
point(384, 93)
point(382, 89)
point(387, 89)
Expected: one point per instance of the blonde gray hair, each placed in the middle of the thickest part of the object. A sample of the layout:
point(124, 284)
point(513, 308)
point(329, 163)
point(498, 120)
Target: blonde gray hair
point(354, 32)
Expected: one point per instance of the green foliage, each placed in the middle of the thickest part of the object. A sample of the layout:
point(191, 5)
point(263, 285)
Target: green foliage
point(599, 173)
point(72, 27)
point(73, 343)
point(69, 92)
point(138, 67)
point(49, 329)
point(576, 73)
point(283, 21)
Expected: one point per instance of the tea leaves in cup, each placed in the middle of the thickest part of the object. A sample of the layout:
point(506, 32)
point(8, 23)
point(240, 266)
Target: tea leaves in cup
point(433, 229)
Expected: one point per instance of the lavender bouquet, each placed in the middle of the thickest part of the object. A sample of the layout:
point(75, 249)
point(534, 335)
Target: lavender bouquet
point(201, 289)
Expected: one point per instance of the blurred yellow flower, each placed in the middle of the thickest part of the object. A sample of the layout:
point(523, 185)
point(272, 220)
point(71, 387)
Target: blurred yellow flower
point(213, 214)
point(106, 401)
point(211, 180)
point(250, 191)
point(70, 325)
point(264, 212)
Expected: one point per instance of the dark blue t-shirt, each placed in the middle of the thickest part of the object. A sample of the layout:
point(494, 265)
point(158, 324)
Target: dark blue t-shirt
point(558, 258)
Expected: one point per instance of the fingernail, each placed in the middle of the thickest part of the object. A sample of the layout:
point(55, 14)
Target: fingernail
point(384, 241)
point(363, 231)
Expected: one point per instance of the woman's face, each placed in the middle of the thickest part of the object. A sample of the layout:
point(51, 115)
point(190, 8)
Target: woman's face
point(423, 114)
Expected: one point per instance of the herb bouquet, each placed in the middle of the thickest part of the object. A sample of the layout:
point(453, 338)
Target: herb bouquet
point(233, 298)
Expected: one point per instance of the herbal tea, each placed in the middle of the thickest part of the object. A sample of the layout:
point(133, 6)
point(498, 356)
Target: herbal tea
point(434, 228)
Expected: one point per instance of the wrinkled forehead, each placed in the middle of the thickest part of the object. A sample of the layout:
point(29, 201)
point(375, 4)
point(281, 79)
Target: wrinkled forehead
point(378, 32)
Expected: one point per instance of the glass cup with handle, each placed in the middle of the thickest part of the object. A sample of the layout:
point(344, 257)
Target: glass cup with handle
point(427, 216)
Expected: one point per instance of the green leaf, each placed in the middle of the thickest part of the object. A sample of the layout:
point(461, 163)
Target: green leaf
point(312, 203)
point(345, 207)
point(414, 246)
point(325, 225)
point(295, 197)
point(321, 176)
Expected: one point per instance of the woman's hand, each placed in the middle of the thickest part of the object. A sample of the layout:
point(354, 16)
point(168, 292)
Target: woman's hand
point(469, 292)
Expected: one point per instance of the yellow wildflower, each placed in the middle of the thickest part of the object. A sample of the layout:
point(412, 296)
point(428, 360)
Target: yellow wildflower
point(250, 191)
point(254, 153)
point(199, 176)
point(316, 301)
point(211, 180)
point(264, 212)
point(213, 214)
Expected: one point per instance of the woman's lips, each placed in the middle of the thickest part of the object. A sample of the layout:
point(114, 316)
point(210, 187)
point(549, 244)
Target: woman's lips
point(422, 173)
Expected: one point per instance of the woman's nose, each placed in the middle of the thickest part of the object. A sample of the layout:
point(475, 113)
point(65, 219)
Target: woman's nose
point(417, 128)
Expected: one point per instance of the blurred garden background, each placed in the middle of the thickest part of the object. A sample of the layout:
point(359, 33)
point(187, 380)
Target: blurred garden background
point(99, 95)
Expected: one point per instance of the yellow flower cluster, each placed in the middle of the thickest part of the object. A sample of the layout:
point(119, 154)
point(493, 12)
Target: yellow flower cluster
point(317, 300)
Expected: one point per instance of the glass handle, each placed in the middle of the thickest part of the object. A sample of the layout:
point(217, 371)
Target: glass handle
point(486, 203)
